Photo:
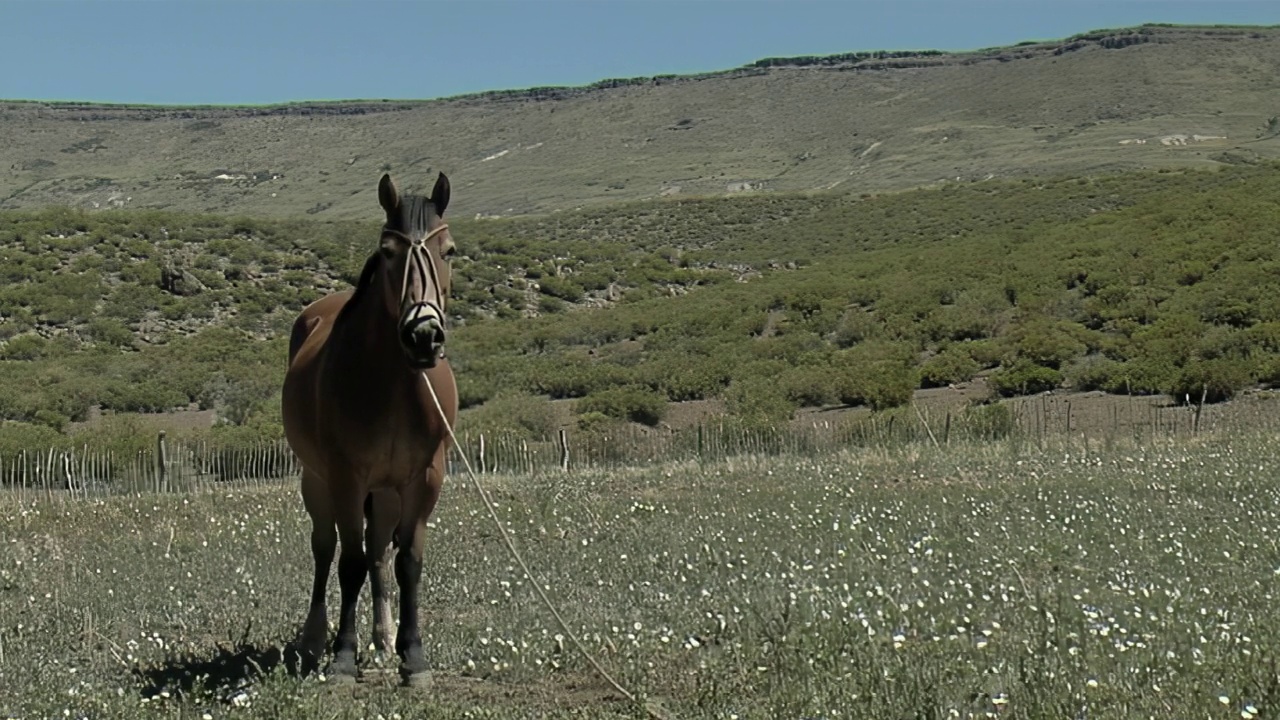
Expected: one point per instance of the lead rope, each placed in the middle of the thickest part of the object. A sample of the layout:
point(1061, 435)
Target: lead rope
point(493, 513)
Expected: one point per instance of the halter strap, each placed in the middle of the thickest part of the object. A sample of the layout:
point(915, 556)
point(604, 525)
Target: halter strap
point(418, 255)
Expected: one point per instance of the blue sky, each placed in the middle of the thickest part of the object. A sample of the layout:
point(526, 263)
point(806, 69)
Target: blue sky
point(268, 51)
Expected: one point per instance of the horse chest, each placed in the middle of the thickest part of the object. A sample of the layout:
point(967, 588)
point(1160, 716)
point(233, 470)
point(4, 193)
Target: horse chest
point(385, 440)
point(387, 456)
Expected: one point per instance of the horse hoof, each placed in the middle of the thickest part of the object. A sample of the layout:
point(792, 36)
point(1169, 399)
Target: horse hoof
point(301, 662)
point(343, 667)
point(420, 680)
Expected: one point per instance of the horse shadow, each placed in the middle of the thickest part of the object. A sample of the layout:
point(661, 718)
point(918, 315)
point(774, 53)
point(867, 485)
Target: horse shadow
point(226, 672)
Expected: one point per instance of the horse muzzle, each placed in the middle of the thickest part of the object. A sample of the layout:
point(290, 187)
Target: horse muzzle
point(422, 335)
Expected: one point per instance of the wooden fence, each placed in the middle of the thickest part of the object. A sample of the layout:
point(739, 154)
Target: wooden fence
point(176, 466)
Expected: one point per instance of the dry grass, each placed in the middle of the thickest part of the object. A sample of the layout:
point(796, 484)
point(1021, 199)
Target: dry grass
point(995, 114)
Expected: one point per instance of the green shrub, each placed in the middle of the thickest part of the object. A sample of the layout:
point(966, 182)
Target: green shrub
point(1212, 380)
point(596, 422)
point(879, 375)
point(986, 353)
point(992, 421)
point(24, 347)
point(562, 288)
point(809, 385)
point(952, 365)
point(473, 389)
point(520, 413)
point(756, 400)
point(51, 419)
point(1025, 378)
point(1045, 343)
point(681, 377)
point(109, 331)
point(630, 402)
point(855, 326)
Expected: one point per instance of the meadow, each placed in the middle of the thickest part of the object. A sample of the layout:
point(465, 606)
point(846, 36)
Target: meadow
point(1129, 577)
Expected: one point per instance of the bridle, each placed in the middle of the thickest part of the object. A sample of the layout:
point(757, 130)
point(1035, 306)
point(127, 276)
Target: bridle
point(424, 261)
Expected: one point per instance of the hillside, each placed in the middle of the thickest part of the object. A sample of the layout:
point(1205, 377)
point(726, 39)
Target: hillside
point(1101, 102)
point(1137, 283)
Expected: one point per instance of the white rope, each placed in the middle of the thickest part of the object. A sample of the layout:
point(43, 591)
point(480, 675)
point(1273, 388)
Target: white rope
point(493, 513)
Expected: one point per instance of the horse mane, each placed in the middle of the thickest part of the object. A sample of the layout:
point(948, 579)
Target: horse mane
point(362, 285)
point(412, 216)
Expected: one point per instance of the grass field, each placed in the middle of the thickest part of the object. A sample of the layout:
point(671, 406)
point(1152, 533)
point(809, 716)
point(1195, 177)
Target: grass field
point(990, 580)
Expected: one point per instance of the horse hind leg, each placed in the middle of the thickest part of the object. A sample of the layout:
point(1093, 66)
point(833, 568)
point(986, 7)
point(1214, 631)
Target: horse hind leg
point(324, 540)
point(382, 510)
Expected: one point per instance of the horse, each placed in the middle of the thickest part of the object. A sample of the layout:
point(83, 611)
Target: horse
point(369, 433)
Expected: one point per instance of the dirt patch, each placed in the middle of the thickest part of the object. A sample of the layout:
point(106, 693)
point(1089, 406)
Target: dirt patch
point(570, 691)
point(193, 418)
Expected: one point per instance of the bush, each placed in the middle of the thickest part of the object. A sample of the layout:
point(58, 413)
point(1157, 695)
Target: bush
point(952, 365)
point(809, 386)
point(1213, 380)
point(878, 375)
point(987, 353)
point(473, 390)
point(1046, 343)
point(24, 347)
point(855, 326)
point(989, 422)
point(566, 290)
point(109, 331)
point(1139, 376)
point(16, 437)
point(630, 402)
point(1025, 378)
point(596, 422)
point(682, 377)
point(756, 400)
point(526, 415)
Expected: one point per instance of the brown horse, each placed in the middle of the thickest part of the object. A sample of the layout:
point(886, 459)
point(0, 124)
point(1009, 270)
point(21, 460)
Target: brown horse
point(361, 419)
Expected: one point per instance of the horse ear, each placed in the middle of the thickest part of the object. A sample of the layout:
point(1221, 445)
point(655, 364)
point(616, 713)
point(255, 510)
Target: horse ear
point(440, 194)
point(388, 195)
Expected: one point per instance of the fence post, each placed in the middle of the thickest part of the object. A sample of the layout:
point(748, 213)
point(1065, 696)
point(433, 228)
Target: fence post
point(483, 468)
point(162, 464)
point(1195, 422)
point(66, 472)
point(564, 450)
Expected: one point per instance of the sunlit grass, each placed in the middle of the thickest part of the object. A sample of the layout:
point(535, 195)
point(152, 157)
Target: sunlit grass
point(991, 580)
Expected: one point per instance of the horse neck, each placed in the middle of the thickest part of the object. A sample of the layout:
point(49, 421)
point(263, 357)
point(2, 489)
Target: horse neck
point(369, 332)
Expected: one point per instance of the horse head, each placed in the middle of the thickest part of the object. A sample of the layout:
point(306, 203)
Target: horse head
point(416, 249)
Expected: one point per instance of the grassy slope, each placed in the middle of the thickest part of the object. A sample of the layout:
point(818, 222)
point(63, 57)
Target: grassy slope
point(1057, 107)
point(1153, 282)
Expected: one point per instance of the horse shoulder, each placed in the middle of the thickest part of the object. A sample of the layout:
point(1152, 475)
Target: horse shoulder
point(312, 316)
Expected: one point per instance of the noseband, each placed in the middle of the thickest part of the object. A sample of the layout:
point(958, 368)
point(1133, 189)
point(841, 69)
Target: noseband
point(425, 262)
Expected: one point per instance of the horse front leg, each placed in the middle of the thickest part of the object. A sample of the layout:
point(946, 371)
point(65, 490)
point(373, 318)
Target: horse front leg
point(353, 567)
point(324, 541)
point(418, 501)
